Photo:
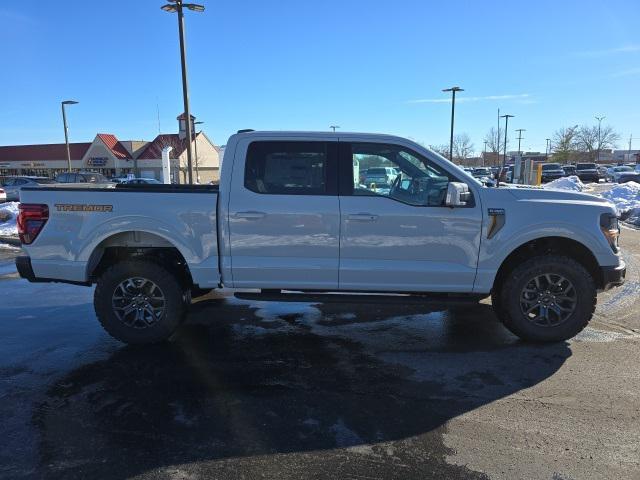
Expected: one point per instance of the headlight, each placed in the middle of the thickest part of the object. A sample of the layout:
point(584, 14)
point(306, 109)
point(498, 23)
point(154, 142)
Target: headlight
point(610, 229)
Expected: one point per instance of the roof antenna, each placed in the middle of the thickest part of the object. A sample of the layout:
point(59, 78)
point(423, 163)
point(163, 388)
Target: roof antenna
point(158, 111)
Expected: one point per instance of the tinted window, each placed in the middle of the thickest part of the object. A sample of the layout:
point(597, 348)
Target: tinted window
point(418, 182)
point(287, 168)
point(551, 166)
point(44, 181)
point(586, 166)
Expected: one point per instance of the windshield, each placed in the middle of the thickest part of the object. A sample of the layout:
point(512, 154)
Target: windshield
point(623, 169)
point(44, 181)
point(377, 171)
point(551, 166)
point(586, 166)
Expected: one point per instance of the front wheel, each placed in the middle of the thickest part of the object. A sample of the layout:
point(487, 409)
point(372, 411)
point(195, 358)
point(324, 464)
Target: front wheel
point(138, 301)
point(547, 298)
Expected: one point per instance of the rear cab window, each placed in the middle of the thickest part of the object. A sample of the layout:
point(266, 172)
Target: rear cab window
point(291, 168)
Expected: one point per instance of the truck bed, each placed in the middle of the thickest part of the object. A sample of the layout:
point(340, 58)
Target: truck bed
point(85, 220)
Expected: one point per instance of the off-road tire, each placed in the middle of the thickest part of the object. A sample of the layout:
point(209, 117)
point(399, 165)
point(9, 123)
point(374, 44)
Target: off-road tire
point(175, 300)
point(506, 300)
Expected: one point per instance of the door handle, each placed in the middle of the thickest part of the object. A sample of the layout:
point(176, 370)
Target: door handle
point(363, 217)
point(250, 215)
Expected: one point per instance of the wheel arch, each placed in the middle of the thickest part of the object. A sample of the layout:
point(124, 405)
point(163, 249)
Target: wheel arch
point(138, 244)
point(550, 245)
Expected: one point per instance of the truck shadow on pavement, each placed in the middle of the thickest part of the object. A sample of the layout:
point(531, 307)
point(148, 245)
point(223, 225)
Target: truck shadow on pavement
point(332, 393)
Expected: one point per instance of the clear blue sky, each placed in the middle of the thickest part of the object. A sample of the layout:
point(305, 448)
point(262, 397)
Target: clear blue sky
point(364, 65)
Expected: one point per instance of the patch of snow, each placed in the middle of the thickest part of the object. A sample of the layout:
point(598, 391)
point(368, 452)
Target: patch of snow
point(9, 211)
point(572, 183)
point(626, 198)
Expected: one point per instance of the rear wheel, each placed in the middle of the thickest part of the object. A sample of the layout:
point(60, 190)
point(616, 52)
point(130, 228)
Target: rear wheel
point(546, 299)
point(139, 302)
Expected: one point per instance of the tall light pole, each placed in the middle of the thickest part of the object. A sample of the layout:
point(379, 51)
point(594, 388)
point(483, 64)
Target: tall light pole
point(178, 6)
point(599, 123)
point(506, 129)
point(333, 127)
point(195, 145)
point(66, 130)
point(453, 91)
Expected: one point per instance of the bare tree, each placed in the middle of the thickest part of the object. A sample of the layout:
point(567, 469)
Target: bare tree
point(493, 141)
point(589, 139)
point(462, 147)
point(564, 143)
point(495, 145)
point(441, 149)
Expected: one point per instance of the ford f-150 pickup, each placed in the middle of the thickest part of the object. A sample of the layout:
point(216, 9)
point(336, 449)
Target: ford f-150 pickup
point(291, 219)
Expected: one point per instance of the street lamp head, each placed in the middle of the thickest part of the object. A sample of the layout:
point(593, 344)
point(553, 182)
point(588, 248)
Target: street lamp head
point(507, 116)
point(194, 7)
point(198, 123)
point(69, 102)
point(453, 89)
point(169, 8)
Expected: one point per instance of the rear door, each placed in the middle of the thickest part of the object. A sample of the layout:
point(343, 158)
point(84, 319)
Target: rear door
point(399, 237)
point(284, 215)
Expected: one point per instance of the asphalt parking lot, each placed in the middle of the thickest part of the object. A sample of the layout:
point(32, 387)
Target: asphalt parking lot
point(259, 390)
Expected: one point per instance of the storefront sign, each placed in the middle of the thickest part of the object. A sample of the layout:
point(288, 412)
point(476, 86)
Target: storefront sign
point(97, 161)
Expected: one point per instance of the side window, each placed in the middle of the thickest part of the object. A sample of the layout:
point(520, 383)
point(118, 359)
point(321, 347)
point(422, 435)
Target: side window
point(397, 173)
point(287, 168)
point(21, 181)
point(9, 182)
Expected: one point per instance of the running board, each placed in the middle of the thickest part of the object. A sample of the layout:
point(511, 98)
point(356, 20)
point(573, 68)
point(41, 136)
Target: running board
point(399, 299)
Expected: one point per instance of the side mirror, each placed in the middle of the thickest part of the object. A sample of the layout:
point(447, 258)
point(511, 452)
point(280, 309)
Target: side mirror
point(457, 194)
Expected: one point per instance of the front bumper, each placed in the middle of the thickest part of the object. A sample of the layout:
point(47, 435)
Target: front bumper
point(613, 276)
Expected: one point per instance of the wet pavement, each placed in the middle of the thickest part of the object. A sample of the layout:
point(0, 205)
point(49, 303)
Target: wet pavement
point(298, 390)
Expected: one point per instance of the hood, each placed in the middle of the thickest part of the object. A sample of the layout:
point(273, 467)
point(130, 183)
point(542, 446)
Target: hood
point(551, 195)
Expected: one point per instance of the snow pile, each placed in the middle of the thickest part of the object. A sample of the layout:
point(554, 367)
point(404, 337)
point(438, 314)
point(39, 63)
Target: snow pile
point(566, 183)
point(8, 216)
point(626, 197)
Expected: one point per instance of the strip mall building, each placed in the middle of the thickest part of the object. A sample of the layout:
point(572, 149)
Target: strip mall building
point(113, 157)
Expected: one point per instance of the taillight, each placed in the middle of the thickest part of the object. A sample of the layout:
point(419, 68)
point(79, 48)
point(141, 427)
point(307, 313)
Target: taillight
point(31, 219)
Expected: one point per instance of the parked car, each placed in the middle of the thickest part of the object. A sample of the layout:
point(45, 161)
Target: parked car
point(3, 195)
point(13, 185)
point(481, 172)
point(631, 176)
point(142, 181)
point(381, 176)
point(82, 177)
point(552, 171)
point(588, 172)
point(613, 173)
point(289, 220)
point(569, 170)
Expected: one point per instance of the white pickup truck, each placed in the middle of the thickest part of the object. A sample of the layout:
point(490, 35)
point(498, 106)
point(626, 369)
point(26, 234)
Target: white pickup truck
point(292, 219)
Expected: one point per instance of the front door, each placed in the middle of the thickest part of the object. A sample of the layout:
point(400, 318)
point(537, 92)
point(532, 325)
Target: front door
point(284, 215)
point(397, 236)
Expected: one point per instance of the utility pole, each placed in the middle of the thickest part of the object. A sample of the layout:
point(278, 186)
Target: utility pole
point(599, 123)
point(548, 148)
point(484, 153)
point(520, 137)
point(453, 91)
